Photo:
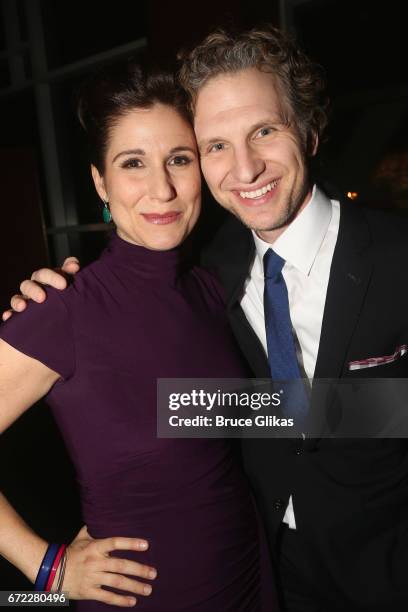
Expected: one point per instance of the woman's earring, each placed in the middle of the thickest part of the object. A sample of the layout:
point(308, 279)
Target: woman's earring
point(106, 213)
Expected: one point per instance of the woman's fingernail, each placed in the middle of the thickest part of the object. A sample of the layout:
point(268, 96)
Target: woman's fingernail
point(147, 589)
point(132, 601)
point(143, 545)
point(152, 574)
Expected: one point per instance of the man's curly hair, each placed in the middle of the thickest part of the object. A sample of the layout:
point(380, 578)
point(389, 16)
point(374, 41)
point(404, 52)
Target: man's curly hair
point(299, 80)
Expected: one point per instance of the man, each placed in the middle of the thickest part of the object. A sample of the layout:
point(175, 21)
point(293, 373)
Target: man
point(334, 509)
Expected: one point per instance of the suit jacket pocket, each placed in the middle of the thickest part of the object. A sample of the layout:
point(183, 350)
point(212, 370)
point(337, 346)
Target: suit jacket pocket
point(398, 368)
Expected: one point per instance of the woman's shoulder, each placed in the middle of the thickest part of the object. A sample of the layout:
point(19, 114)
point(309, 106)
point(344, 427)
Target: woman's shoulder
point(83, 284)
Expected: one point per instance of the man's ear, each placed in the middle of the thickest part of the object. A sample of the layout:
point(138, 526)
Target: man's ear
point(99, 183)
point(314, 144)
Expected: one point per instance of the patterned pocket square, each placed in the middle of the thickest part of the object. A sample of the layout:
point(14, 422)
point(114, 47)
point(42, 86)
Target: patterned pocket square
point(372, 362)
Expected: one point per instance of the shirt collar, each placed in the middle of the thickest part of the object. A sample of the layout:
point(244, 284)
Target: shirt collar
point(300, 243)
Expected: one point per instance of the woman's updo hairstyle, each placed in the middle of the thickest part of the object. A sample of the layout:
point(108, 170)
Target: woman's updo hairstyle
point(117, 89)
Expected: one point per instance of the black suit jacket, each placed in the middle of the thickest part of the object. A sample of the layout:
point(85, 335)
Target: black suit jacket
point(350, 496)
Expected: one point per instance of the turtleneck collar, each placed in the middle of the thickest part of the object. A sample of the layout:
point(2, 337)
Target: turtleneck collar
point(143, 262)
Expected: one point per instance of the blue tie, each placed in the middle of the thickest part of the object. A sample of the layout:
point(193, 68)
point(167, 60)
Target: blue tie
point(282, 358)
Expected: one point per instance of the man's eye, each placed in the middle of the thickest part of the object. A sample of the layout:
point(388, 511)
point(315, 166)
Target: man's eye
point(218, 146)
point(180, 160)
point(264, 132)
point(132, 163)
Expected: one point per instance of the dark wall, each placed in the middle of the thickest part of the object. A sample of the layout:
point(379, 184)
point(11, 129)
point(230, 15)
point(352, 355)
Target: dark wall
point(23, 245)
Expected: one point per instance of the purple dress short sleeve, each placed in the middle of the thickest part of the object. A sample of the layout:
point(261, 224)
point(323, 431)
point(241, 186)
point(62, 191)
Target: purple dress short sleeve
point(44, 332)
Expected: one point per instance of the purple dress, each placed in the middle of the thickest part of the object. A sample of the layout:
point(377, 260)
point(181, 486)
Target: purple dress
point(133, 316)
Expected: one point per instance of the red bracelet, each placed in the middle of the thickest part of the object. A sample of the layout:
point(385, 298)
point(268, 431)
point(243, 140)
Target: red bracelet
point(54, 568)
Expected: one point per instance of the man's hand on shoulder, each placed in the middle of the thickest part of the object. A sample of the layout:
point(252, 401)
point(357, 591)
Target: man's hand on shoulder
point(32, 289)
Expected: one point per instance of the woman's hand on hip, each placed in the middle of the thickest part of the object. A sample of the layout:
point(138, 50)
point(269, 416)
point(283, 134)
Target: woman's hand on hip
point(89, 567)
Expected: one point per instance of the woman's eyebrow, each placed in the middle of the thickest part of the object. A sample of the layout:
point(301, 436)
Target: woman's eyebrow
point(129, 152)
point(142, 152)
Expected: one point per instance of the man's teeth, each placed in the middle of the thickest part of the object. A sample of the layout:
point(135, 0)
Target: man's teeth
point(258, 192)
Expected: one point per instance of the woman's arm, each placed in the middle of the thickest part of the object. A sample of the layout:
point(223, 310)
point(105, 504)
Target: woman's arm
point(23, 381)
point(18, 543)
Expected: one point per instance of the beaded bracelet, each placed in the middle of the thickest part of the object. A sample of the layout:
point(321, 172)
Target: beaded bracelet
point(45, 568)
point(54, 568)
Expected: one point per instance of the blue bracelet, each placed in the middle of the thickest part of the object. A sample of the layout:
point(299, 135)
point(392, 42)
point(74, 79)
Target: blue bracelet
point(46, 566)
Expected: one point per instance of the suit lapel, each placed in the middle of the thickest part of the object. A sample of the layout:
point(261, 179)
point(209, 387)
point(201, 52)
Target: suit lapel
point(231, 255)
point(249, 342)
point(348, 283)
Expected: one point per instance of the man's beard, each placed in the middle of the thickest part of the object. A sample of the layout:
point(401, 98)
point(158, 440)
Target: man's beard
point(285, 218)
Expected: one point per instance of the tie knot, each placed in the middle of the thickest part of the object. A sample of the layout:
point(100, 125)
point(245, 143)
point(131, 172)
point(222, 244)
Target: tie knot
point(273, 264)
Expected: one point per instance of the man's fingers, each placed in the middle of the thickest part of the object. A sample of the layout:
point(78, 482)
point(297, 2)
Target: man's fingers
point(30, 291)
point(131, 568)
point(18, 303)
point(112, 598)
point(6, 315)
point(118, 543)
point(71, 265)
point(45, 276)
point(126, 584)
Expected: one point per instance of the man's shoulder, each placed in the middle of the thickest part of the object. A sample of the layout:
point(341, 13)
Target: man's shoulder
point(385, 226)
point(388, 228)
point(392, 219)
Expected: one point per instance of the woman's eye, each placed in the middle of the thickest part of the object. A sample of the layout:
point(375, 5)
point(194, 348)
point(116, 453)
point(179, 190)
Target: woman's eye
point(180, 160)
point(218, 146)
point(132, 163)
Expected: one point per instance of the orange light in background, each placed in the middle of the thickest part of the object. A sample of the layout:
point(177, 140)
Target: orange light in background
point(352, 195)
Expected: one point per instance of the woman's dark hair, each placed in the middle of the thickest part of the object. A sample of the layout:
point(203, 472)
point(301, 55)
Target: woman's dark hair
point(114, 91)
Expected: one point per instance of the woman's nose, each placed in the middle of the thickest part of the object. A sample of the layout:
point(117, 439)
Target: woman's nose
point(161, 187)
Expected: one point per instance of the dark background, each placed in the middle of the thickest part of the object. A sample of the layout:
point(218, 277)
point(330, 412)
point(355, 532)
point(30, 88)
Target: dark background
point(48, 205)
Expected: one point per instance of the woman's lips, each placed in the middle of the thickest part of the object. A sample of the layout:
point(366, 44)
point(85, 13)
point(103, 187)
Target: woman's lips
point(163, 219)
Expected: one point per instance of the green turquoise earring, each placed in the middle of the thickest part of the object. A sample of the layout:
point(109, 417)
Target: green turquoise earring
point(106, 213)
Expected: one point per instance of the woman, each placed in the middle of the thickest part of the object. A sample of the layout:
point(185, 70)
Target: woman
point(138, 313)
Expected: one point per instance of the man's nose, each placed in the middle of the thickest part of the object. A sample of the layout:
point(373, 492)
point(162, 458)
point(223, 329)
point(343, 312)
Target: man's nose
point(247, 166)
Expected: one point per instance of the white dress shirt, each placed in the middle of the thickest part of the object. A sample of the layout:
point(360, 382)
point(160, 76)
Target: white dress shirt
point(307, 246)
